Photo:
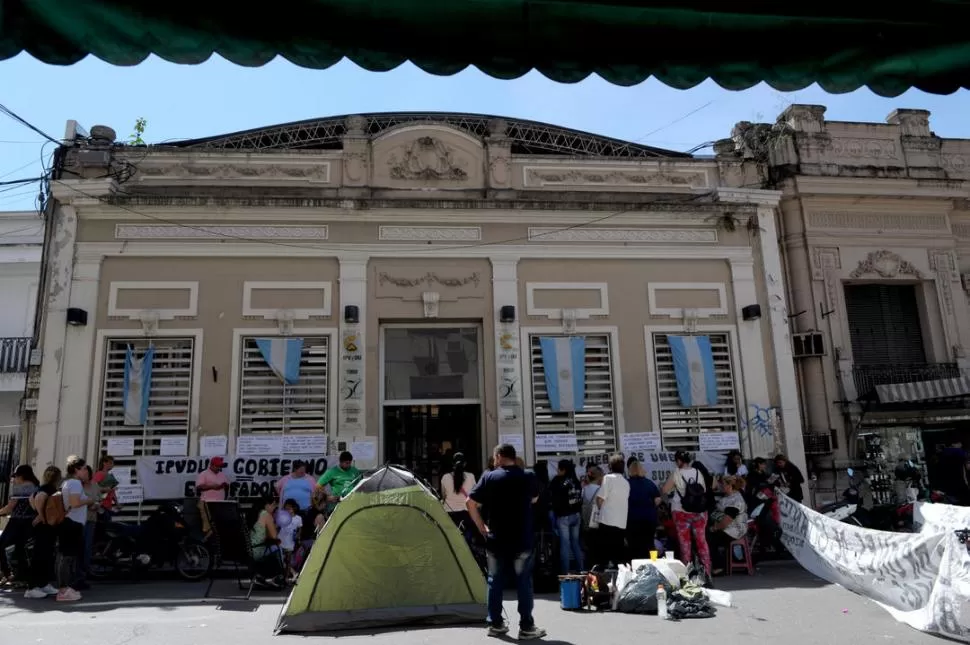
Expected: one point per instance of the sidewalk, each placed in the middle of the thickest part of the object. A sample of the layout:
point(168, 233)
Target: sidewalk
point(782, 601)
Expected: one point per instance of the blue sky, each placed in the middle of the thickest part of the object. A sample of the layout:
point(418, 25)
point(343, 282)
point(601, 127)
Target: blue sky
point(217, 97)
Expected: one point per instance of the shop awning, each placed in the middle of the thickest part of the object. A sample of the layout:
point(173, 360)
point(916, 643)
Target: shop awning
point(951, 388)
point(840, 45)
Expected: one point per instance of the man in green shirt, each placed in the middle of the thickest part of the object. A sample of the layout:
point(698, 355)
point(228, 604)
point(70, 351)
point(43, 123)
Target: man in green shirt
point(341, 478)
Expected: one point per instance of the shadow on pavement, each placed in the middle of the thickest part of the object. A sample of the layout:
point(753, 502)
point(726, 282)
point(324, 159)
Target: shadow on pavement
point(165, 596)
point(782, 575)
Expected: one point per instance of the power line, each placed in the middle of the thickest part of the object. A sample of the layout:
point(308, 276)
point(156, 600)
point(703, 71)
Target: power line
point(13, 115)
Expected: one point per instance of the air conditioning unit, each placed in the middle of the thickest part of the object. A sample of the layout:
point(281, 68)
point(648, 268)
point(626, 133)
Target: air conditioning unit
point(807, 344)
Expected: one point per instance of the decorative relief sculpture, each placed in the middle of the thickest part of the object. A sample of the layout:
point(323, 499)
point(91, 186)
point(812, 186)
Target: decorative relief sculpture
point(621, 235)
point(426, 159)
point(823, 259)
point(428, 279)
point(316, 170)
point(885, 264)
point(235, 232)
point(430, 233)
point(580, 177)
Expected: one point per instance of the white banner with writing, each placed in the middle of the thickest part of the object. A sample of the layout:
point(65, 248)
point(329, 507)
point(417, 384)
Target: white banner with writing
point(658, 465)
point(174, 477)
point(921, 579)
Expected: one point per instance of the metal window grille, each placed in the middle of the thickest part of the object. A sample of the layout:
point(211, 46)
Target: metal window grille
point(595, 426)
point(267, 405)
point(169, 403)
point(680, 426)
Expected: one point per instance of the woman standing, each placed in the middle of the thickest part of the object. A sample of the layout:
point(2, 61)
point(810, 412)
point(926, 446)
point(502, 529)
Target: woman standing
point(45, 536)
point(455, 486)
point(70, 533)
point(689, 508)
point(641, 525)
point(23, 486)
point(613, 501)
point(566, 494)
point(92, 491)
point(591, 485)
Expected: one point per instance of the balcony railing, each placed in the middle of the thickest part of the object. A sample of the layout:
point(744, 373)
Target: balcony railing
point(869, 376)
point(14, 355)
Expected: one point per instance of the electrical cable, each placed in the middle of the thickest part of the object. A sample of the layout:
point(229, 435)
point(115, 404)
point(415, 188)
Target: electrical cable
point(13, 115)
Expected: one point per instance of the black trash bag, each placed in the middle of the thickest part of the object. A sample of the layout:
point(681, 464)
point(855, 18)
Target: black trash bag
point(681, 606)
point(639, 596)
point(697, 574)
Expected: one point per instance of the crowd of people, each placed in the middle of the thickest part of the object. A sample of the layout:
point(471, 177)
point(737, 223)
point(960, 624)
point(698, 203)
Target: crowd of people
point(606, 518)
point(60, 514)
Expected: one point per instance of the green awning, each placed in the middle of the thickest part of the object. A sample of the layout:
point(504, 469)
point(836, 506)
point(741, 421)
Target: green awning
point(840, 45)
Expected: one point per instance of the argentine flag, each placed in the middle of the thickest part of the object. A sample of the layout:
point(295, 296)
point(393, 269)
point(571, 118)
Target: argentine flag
point(138, 385)
point(564, 366)
point(283, 357)
point(694, 370)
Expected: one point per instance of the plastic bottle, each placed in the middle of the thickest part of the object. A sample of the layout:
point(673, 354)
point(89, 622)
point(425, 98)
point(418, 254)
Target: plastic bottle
point(662, 602)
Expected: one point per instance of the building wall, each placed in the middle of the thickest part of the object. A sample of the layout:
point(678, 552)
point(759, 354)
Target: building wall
point(21, 236)
point(864, 203)
point(451, 257)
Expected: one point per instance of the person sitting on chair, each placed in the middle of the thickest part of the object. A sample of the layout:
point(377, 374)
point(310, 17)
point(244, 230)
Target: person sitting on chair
point(264, 538)
point(341, 479)
point(730, 521)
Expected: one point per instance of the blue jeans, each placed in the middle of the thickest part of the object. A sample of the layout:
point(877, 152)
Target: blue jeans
point(521, 567)
point(569, 546)
point(89, 528)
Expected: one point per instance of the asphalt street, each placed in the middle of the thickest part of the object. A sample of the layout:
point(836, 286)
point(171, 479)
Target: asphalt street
point(780, 602)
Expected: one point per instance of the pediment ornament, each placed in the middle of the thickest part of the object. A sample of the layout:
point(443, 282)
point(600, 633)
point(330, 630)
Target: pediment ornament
point(426, 158)
point(885, 264)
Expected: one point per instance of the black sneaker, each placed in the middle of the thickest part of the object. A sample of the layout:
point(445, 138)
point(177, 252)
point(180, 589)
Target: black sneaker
point(531, 633)
point(500, 629)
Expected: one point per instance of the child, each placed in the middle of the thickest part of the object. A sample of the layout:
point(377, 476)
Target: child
point(290, 529)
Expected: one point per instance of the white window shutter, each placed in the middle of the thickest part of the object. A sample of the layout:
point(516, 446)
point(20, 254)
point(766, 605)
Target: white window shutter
point(680, 426)
point(595, 426)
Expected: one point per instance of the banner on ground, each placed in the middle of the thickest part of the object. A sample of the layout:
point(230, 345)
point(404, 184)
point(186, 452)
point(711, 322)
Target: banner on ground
point(921, 579)
point(174, 477)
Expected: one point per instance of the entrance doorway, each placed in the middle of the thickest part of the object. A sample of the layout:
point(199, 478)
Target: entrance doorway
point(422, 438)
point(431, 396)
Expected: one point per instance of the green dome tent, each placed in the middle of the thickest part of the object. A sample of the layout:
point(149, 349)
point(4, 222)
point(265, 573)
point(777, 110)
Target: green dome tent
point(389, 555)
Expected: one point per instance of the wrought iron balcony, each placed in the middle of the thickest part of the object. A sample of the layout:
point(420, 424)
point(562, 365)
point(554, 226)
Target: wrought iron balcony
point(869, 376)
point(14, 355)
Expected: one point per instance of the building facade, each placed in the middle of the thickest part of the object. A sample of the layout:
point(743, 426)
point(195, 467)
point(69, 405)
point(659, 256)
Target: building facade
point(875, 223)
point(418, 259)
point(21, 238)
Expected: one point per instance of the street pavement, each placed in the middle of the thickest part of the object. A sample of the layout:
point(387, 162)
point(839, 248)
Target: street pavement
point(781, 602)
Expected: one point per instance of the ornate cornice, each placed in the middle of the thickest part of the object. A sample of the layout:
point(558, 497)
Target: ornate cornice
point(855, 220)
point(587, 176)
point(199, 232)
point(430, 233)
point(222, 169)
point(621, 235)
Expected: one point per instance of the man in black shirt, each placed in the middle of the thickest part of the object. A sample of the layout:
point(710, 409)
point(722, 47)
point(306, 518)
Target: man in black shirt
point(500, 505)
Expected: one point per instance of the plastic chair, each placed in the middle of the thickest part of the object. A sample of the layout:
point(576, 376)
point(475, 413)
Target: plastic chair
point(745, 564)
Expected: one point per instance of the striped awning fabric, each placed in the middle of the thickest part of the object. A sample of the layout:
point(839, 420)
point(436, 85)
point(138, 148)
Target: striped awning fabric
point(949, 388)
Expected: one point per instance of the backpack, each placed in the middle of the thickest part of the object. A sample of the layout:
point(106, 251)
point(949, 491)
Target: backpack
point(694, 497)
point(54, 511)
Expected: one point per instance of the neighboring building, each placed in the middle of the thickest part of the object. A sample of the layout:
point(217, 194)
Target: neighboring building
point(419, 258)
point(875, 219)
point(21, 239)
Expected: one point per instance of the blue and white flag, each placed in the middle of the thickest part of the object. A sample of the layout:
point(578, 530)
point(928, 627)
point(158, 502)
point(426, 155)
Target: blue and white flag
point(564, 365)
point(694, 370)
point(283, 357)
point(138, 385)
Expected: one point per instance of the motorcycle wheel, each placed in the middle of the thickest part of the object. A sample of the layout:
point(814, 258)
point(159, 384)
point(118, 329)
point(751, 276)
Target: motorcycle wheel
point(193, 561)
point(106, 558)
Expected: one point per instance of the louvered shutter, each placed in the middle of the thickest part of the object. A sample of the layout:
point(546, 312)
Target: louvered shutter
point(266, 405)
point(884, 324)
point(169, 403)
point(595, 426)
point(680, 426)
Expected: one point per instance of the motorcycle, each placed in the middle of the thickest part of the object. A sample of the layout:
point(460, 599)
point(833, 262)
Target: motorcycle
point(847, 509)
point(162, 539)
point(764, 523)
